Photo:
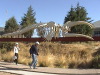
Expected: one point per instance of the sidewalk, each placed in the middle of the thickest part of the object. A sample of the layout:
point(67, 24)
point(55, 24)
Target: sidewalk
point(47, 70)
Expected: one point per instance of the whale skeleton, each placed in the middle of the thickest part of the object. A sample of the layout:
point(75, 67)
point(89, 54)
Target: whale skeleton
point(54, 29)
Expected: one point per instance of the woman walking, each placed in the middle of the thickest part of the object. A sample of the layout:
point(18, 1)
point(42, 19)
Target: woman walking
point(16, 49)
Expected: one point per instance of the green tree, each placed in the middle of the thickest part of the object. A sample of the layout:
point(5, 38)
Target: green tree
point(11, 25)
point(79, 14)
point(27, 20)
point(71, 15)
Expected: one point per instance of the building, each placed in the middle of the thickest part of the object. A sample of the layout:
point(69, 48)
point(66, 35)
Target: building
point(97, 28)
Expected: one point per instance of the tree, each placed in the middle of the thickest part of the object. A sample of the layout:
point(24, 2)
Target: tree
point(71, 15)
point(79, 14)
point(27, 20)
point(11, 25)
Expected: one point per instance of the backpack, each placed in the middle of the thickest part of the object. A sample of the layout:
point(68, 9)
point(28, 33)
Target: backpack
point(30, 50)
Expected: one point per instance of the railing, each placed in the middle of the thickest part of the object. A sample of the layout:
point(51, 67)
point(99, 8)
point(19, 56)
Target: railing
point(63, 39)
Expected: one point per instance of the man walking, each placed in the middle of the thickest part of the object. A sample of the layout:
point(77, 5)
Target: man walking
point(34, 53)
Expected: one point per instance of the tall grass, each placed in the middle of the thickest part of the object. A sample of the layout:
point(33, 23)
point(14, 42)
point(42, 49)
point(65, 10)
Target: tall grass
point(0, 56)
point(46, 60)
point(8, 56)
point(52, 54)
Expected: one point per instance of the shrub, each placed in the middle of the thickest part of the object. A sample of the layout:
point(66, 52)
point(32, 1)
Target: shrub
point(24, 60)
point(3, 51)
point(61, 62)
point(8, 56)
point(7, 45)
point(0, 56)
point(46, 60)
point(96, 62)
point(52, 54)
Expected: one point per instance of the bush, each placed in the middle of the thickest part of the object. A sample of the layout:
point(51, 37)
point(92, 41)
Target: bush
point(24, 59)
point(7, 45)
point(0, 56)
point(61, 62)
point(8, 56)
point(3, 51)
point(46, 60)
point(73, 55)
point(96, 62)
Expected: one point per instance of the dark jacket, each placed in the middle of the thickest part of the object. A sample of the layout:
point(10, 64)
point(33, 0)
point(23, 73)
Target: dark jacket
point(34, 50)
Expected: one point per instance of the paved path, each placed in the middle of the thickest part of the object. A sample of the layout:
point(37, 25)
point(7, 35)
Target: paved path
point(25, 70)
point(20, 72)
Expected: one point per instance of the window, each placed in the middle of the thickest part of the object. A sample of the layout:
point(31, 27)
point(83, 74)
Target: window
point(96, 33)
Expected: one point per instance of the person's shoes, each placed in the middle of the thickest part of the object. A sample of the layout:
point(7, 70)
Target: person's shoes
point(31, 67)
point(34, 68)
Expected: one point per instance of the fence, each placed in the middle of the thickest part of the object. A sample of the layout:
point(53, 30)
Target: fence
point(63, 39)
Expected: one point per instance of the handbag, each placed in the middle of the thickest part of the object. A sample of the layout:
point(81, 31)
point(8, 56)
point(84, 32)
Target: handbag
point(15, 57)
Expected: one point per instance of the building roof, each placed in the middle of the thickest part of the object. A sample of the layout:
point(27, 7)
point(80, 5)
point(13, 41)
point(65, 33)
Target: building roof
point(97, 24)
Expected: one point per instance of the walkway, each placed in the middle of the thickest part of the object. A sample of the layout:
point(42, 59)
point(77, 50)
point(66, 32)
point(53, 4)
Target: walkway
point(25, 70)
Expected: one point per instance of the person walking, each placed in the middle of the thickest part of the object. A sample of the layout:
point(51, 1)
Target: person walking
point(34, 53)
point(16, 49)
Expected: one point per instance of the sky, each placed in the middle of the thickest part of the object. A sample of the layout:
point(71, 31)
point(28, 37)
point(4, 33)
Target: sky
point(46, 10)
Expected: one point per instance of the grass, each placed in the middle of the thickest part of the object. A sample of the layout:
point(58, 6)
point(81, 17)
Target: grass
point(0, 57)
point(54, 54)
point(46, 60)
point(8, 56)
